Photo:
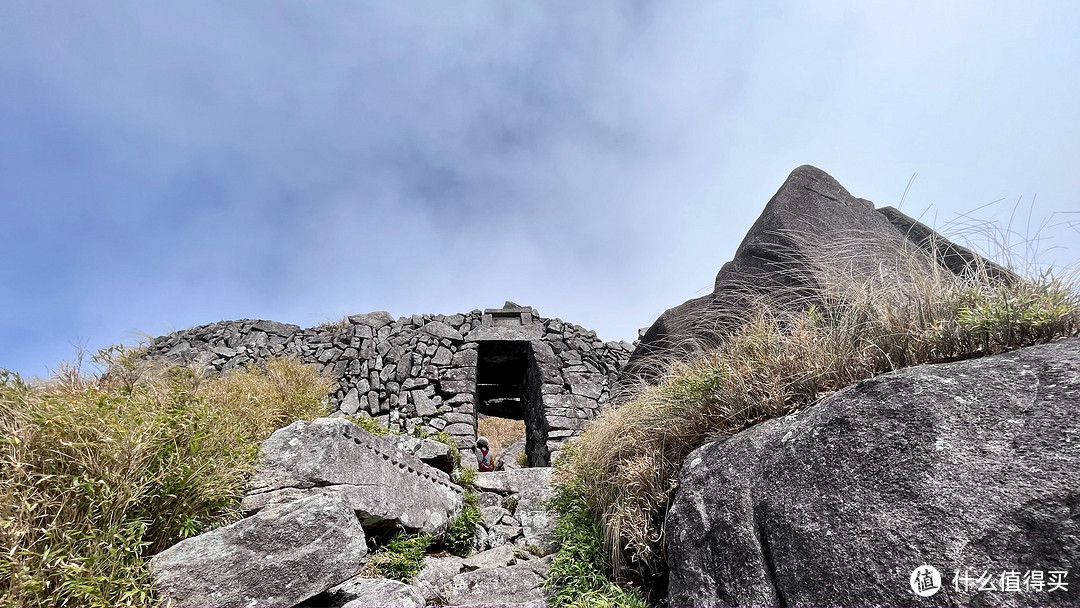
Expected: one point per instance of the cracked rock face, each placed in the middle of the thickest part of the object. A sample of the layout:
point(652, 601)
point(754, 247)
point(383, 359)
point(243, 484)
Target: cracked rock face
point(382, 482)
point(264, 560)
point(969, 467)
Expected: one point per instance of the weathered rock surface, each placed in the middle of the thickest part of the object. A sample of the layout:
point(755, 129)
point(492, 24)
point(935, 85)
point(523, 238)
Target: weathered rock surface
point(531, 523)
point(434, 581)
point(537, 522)
point(359, 592)
point(491, 573)
point(431, 452)
point(509, 458)
point(504, 555)
point(971, 467)
point(492, 515)
point(520, 584)
point(783, 259)
point(509, 482)
point(385, 485)
point(278, 557)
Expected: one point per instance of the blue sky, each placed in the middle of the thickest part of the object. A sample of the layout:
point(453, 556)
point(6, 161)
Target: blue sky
point(168, 165)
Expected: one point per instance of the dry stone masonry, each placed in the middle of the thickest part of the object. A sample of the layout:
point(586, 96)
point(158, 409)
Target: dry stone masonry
point(434, 373)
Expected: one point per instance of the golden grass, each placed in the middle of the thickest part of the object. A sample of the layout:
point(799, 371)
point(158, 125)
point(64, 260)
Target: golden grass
point(500, 432)
point(99, 472)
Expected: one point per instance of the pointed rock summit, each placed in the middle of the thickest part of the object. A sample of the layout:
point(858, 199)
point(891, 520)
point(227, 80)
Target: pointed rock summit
point(811, 231)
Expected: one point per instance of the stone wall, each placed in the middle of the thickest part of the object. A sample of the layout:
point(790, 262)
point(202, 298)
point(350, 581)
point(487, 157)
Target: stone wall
point(419, 372)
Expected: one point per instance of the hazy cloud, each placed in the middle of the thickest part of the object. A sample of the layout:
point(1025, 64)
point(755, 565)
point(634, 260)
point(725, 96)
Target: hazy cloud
point(163, 166)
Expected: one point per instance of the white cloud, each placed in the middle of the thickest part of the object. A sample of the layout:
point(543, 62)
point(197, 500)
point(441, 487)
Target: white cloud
point(600, 162)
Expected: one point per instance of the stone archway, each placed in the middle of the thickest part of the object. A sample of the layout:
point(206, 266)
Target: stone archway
point(508, 385)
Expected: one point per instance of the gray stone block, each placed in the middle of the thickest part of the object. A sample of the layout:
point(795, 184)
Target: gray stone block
point(351, 403)
point(278, 557)
point(375, 320)
point(442, 330)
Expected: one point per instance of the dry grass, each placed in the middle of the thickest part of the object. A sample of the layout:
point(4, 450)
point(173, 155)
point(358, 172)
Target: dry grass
point(850, 324)
point(335, 325)
point(99, 472)
point(500, 432)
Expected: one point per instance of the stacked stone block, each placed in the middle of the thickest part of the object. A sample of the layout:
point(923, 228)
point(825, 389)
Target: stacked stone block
point(418, 373)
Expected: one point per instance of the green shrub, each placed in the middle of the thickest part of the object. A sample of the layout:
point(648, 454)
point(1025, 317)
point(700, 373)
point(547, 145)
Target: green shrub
point(96, 473)
point(455, 453)
point(462, 531)
point(370, 425)
point(579, 571)
point(400, 559)
point(464, 477)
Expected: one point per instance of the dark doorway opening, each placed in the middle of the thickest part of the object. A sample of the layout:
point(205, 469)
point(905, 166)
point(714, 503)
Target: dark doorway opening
point(508, 386)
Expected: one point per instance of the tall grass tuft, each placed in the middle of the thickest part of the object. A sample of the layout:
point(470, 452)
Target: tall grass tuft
point(849, 325)
point(97, 473)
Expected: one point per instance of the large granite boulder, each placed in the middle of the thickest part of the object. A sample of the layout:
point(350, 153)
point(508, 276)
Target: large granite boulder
point(810, 233)
point(281, 556)
point(386, 485)
point(971, 467)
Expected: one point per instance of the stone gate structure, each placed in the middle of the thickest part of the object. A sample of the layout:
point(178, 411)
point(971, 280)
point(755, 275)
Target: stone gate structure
point(434, 372)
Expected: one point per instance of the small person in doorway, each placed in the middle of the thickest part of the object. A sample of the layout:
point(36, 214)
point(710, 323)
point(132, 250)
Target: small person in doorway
point(483, 454)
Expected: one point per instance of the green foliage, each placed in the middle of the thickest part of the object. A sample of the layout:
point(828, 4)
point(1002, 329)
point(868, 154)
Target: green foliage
point(1006, 316)
point(522, 459)
point(465, 477)
point(462, 531)
point(512, 503)
point(402, 558)
point(455, 453)
point(370, 425)
point(96, 473)
point(578, 573)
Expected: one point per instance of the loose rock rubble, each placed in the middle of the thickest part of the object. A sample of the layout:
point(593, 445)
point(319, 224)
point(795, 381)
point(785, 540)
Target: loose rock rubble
point(526, 490)
point(318, 485)
point(504, 576)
